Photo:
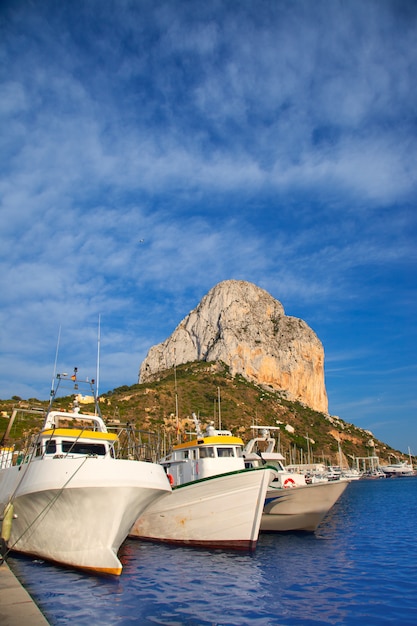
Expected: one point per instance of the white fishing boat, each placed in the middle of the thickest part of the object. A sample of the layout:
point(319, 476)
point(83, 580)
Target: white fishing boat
point(215, 501)
point(290, 504)
point(68, 498)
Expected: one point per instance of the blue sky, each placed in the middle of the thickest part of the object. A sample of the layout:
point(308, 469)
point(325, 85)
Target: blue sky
point(151, 149)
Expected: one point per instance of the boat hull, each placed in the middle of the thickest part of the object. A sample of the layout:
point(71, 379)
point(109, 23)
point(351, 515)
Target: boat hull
point(300, 508)
point(209, 512)
point(78, 511)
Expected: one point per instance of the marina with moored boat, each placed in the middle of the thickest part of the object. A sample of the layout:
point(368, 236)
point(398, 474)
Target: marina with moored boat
point(69, 497)
point(215, 501)
point(291, 503)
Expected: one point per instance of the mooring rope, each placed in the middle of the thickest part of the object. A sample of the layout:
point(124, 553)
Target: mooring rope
point(45, 509)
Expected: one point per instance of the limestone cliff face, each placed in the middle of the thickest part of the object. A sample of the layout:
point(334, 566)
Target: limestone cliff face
point(246, 328)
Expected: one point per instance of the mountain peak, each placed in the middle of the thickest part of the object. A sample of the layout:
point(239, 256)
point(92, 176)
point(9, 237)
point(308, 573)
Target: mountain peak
point(242, 325)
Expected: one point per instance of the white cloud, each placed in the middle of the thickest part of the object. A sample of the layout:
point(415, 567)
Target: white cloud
point(273, 143)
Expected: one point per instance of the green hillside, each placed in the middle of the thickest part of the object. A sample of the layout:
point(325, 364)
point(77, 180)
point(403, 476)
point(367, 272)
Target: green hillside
point(197, 387)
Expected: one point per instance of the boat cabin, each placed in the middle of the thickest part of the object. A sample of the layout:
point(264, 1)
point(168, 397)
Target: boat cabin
point(211, 453)
point(69, 435)
point(261, 449)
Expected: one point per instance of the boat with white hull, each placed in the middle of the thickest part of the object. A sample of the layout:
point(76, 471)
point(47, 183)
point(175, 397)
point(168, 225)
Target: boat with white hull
point(290, 503)
point(301, 508)
point(215, 501)
point(403, 468)
point(69, 499)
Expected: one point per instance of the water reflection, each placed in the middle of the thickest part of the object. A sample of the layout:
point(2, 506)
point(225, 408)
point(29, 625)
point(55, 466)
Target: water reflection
point(199, 585)
point(357, 568)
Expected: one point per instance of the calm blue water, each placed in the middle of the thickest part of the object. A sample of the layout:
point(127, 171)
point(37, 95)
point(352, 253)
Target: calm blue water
point(360, 567)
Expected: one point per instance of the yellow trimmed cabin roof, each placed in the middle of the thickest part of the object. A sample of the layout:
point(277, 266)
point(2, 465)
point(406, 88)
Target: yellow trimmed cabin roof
point(79, 434)
point(209, 441)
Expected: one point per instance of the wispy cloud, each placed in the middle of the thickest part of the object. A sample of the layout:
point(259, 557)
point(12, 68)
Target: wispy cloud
point(150, 150)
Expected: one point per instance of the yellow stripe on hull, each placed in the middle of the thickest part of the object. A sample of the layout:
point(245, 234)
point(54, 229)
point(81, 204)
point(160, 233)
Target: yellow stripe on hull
point(104, 570)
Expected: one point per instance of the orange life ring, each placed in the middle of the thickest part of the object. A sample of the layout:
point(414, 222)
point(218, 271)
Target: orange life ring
point(171, 479)
point(289, 482)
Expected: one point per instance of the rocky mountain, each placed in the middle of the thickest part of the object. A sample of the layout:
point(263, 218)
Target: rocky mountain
point(246, 328)
point(236, 358)
point(160, 412)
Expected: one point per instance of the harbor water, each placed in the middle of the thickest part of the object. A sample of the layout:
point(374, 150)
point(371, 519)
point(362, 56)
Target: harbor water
point(359, 567)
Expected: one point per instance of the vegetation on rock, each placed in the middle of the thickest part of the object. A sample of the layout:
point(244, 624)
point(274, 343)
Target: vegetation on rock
point(165, 407)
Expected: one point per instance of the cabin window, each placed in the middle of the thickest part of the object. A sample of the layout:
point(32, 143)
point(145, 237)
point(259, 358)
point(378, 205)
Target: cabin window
point(207, 453)
point(50, 446)
point(81, 447)
point(225, 452)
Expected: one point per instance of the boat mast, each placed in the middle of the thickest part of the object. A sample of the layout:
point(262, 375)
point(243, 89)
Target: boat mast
point(176, 397)
point(52, 394)
point(308, 448)
point(98, 366)
point(340, 452)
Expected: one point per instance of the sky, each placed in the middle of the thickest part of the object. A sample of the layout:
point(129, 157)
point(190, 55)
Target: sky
point(152, 149)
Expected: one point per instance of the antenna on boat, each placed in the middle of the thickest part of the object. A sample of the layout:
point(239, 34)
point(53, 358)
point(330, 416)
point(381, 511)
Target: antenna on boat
point(55, 364)
point(98, 356)
point(96, 409)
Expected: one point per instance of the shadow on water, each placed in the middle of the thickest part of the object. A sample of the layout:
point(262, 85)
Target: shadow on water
point(358, 567)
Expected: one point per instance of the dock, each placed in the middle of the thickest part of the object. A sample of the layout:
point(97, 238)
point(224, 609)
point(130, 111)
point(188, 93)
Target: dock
point(17, 607)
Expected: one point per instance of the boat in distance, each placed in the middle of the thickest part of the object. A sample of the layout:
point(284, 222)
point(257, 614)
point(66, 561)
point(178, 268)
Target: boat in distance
point(290, 503)
point(68, 497)
point(215, 502)
point(402, 468)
